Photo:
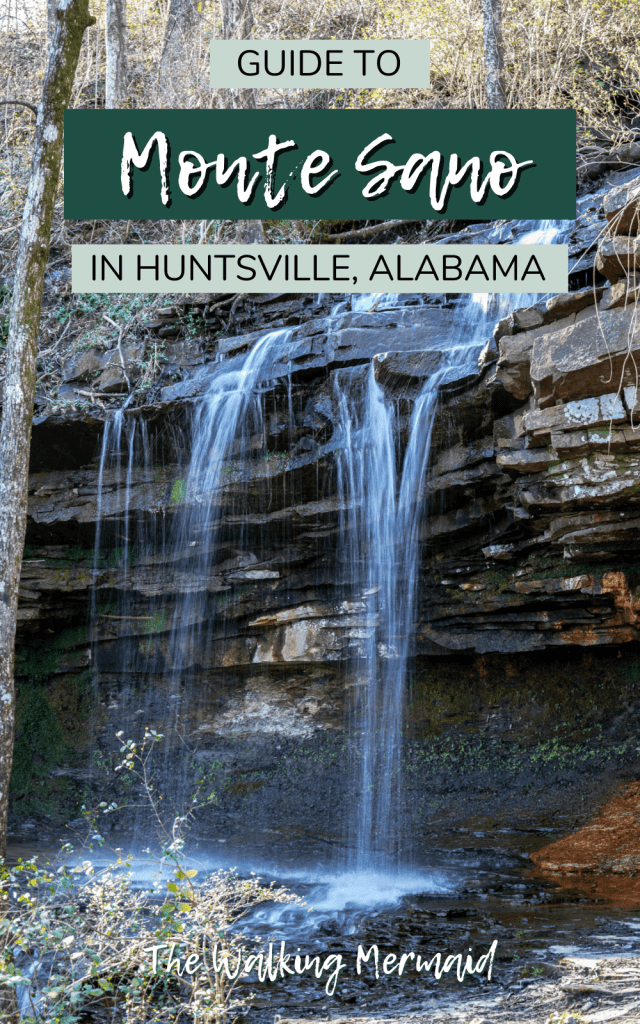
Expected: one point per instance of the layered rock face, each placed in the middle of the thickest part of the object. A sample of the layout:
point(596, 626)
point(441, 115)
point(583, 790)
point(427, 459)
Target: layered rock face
point(529, 538)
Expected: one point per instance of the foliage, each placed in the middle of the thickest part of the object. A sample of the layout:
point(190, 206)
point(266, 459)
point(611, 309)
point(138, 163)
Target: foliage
point(74, 940)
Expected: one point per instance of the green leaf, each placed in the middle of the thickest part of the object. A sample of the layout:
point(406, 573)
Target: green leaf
point(184, 908)
point(172, 887)
point(191, 873)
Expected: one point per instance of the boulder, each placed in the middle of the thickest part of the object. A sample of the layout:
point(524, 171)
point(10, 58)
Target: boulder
point(623, 293)
point(85, 365)
point(622, 206)
point(618, 256)
point(489, 355)
point(513, 367)
point(571, 302)
point(530, 460)
point(404, 370)
point(570, 444)
point(627, 155)
point(525, 319)
point(113, 379)
point(586, 358)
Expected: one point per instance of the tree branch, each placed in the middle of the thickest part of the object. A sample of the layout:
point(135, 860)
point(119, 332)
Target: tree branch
point(21, 103)
point(371, 229)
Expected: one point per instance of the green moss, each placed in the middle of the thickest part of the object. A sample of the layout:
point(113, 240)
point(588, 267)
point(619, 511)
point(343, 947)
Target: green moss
point(178, 492)
point(54, 710)
point(156, 624)
point(43, 658)
point(52, 726)
point(39, 743)
point(557, 568)
point(116, 557)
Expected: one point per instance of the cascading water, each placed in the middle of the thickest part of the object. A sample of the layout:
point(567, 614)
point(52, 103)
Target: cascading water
point(367, 487)
point(381, 544)
point(222, 425)
point(381, 494)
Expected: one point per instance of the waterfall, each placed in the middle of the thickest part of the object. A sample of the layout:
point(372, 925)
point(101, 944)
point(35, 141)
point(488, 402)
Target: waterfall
point(181, 562)
point(222, 431)
point(367, 484)
point(381, 544)
point(169, 638)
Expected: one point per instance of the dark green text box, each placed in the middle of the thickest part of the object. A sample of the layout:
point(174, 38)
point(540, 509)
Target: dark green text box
point(545, 190)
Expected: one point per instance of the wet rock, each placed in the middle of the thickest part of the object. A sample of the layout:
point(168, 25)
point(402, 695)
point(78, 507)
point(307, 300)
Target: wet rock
point(609, 844)
point(489, 355)
point(504, 328)
point(401, 371)
point(347, 340)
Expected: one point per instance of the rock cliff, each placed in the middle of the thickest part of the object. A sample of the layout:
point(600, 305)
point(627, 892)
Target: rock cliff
point(530, 550)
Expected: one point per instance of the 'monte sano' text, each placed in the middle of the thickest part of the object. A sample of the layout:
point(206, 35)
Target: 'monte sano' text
point(316, 172)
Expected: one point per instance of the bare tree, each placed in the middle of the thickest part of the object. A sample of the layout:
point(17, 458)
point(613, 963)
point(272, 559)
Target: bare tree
point(237, 19)
point(20, 377)
point(237, 23)
point(181, 24)
point(493, 55)
point(115, 85)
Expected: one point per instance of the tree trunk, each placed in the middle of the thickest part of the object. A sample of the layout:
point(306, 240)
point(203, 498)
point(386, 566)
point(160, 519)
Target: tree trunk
point(20, 377)
point(493, 56)
point(237, 23)
point(237, 19)
point(175, 69)
point(116, 54)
